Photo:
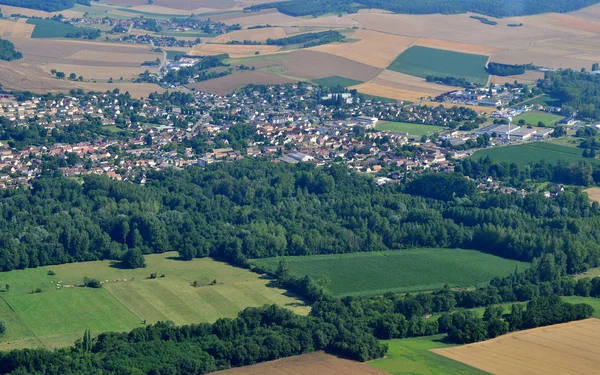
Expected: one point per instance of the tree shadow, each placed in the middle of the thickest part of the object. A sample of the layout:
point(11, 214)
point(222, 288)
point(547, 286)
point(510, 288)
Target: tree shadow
point(118, 265)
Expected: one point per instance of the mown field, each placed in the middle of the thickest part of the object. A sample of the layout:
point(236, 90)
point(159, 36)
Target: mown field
point(62, 311)
point(50, 29)
point(534, 117)
point(406, 127)
point(400, 271)
point(423, 61)
point(334, 81)
point(533, 152)
point(412, 356)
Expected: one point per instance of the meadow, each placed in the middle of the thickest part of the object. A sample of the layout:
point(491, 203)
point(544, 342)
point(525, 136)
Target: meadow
point(534, 117)
point(50, 29)
point(412, 356)
point(60, 313)
point(533, 152)
point(423, 61)
point(333, 81)
point(406, 127)
point(398, 271)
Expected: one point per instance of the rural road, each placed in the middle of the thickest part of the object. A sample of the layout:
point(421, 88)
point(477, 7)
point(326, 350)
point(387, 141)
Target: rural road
point(163, 62)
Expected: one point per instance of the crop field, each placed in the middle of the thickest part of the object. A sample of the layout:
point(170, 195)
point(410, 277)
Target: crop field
point(259, 35)
point(376, 89)
point(50, 28)
point(477, 49)
point(413, 356)
point(226, 85)
point(544, 100)
point(233, 50)
point(406, 127)
point(336, 81)
point(400, 270)
point(593, 193)
point(569, 348)
point(62, 311)
point(15, 29)
point(424, 61)
point(531, 153)
point(534, 117)
point(311, 64)
point(306, 364)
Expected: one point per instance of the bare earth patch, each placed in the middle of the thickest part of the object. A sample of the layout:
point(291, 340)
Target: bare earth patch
point(233, 50)
point(570, 348)
point(226, 85)
point(477, 49)
point(312, 64)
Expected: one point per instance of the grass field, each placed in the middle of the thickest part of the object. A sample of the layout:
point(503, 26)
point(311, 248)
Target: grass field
point(423, 61)
point(333, 81)
point(172, 55)
point(62, 311)
point(187, 34)
point(534, 117)
point(412, 356)
point(406, 127)
point(528, 153)
point(544, 100)
point(401, 270)
point(50, 29)
point(594, 302)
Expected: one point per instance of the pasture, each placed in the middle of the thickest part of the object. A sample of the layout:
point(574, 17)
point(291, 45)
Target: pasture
point(534, 117)
point(569, 348)
point(406, 127)
point(413, 356)
point(533, 152)
point(424, 61)
point(334, 81)
point(60, 313)
point(50, 29)
point(398, 271)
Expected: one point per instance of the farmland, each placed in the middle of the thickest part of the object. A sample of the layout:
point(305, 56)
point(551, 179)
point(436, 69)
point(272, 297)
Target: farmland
point(410, 128)
point(127, 299)
point(401, 270)
point(413, 356)
point(333, 81)
point(570, 348)
point(534, 117)
point(50, 29)
point(424, 61)
point(532, 152)
point(306, 364)
point(593, 193)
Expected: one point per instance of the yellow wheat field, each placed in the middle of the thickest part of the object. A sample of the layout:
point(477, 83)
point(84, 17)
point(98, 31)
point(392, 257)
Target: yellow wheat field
point(233, 50)
point(259, 35)
point(371, 88)
point(570, 348)
point(477, 49)
point(15, 29)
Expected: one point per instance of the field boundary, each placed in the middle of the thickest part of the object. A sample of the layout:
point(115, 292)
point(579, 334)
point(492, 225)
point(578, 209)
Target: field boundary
point(24, 324)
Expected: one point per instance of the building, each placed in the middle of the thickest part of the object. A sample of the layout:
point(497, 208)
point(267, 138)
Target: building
point(490, 102)
point(542, 134)
point(522, 134)
point(366, 121)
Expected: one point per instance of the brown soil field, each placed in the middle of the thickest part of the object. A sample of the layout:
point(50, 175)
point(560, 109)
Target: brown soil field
point(268, 16)
point(176, 4)
point(529, 76)
point(477, 49)
point(577, 23)
point(295, 30)
point(593, 193)
point(374, 48)
point(8, 10)
point(226, 85)
point(116, 57)
point(15, 29)
point(312, 64)
point(90, 72)
point(408, 82)
point(306, 364)
point(372, 88)
point(259, 35)
point(570, 348)
point(234, 51)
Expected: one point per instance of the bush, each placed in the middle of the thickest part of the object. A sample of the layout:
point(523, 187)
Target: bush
point(134, 258)
point(51, 273)
point(2, 327)
point(91, 283)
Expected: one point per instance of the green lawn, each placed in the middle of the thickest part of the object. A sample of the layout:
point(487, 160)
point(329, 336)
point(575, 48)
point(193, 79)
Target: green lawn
point(251, 59)
point(62, 311)
point(422, 62)
point(333, 81)
point(50, 29)
point(406, 127)
point(533, 152)
point(400, 270)
point(172, 55)
point(546, 100)
point(594, 302)
point(534, 117)
point(412, 356)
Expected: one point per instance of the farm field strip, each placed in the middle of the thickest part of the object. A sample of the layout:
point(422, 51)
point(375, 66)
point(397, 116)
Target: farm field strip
point(376, 89)
point(531, 153)
point(406, 127)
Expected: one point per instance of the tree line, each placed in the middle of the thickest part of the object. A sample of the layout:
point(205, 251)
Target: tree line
point(8, 51)
point(309, 39)
point(46, 5)
point(498, 69)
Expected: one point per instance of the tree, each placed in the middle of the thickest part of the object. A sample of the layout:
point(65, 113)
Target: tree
point(323, 282)
point(7, 288)
point(60, 75)
point(134, 258)
point(2, 327)
point(595, 67)
point(72, 76)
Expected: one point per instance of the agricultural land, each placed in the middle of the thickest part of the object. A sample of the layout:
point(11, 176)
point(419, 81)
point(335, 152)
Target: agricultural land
point(531, 152)
point(127, 299)
point(405, 127)
point(535, 117)
point(564, 348)
point(400, 271)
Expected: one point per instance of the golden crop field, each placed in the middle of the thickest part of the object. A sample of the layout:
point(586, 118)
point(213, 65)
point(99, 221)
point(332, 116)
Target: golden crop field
point(15, 29)
point(259, 35)
point(372, 88)
point(233, 50)
point(570, 348)
point(593, 193)
point(477, 49)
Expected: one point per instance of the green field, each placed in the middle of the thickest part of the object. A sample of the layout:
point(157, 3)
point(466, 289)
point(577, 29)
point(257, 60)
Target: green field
point(333, 81)
point(60, 314)
point(187, 34)
point(422, 62)
point(412, 356)
point(533, 117)
point(594, 302)
point(50, 28)
point(400, 270)
point(172, 55)
point(406, 127)
point(533, 152)
point(543, 100)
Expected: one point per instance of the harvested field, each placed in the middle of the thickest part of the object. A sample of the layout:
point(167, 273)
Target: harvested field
point(407, 82)
point(8, 10)
point(259, 35)
point(476, 108)
point(268, 16)
point(226, 85)
point(116, 57)
point(593, 193)
point(374, 48)
point(306, 364)
point(577, 23)
point(477, 49)
point(234, 51)
point(176, 4)
point(15, 29)
point(528, 77)
point(375, 89)
point(570, 348)
point(96, 72)
point(312, 64)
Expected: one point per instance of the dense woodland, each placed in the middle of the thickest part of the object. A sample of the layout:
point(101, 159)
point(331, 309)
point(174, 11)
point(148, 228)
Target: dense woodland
point(487, 7)
point(577, 91)
point(46, 5)
point(498, 69)
point(8, 51)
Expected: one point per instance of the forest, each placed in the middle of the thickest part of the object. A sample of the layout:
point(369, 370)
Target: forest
point(450, 81)
point(577, 91)
point(498, 69)
point(8, 52)
point(45, 5)
point(491, 8)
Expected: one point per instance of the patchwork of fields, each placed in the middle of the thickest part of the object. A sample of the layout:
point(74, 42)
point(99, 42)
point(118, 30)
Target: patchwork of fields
point(62, 311)
point(531, 153)
point(400, 270)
